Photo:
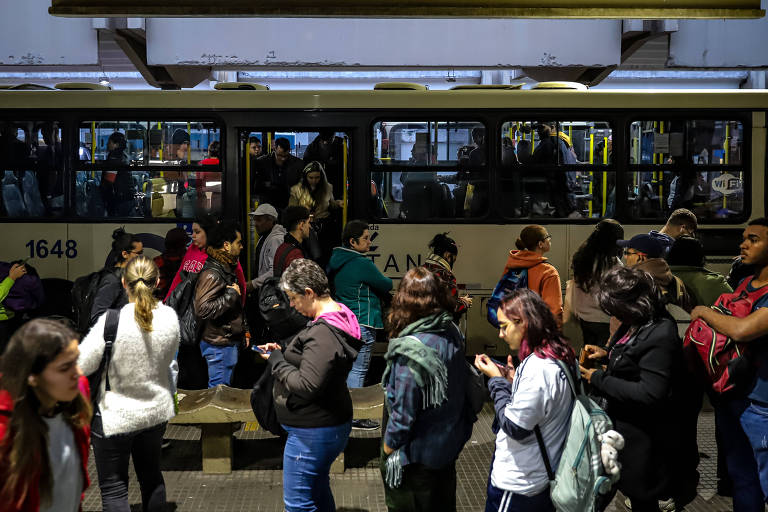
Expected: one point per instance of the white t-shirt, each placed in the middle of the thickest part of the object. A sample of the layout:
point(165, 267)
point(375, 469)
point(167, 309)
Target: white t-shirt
point(66, 467)
point(540, 396)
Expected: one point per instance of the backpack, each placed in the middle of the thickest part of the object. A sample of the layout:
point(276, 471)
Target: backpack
point(514, 279)
point(83, 292)
point(476, 391)
point(94, 379)
point(720, 360)
point(281, 319)
point(580, 478)
point(182, 301)
point(263, 403)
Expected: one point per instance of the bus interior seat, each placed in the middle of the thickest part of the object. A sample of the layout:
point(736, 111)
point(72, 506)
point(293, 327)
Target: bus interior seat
point(12, 198)
point(31, 189)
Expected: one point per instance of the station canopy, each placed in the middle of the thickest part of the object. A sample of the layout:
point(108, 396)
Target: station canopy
point(641, 9)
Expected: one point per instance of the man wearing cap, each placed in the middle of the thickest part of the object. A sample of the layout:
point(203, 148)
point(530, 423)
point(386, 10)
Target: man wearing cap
point(644, 252)
point(271, 235)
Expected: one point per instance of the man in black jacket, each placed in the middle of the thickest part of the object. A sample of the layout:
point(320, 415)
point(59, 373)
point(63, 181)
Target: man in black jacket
point(275, 174)
point(218, 306)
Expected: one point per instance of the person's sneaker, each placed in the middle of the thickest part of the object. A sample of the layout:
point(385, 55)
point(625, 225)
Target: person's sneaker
point(365, 424)
point(165, 444)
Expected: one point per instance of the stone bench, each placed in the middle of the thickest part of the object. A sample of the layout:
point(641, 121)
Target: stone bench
point(216, 409)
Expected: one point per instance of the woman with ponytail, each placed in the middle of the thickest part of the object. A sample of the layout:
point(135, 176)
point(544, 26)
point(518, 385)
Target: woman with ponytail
point(543, 278)
point(45, 421)
point(131, 416)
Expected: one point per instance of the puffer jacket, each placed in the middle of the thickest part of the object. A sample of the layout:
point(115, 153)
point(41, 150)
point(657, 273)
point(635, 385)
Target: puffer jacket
point(218, 308)
point(31, 502)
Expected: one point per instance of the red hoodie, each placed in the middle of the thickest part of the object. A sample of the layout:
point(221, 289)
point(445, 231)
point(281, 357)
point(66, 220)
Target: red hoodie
point(193, 262)
point(31, 502)
point(542, 279)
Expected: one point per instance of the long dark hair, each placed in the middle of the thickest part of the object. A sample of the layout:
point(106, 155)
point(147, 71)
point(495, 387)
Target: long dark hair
point(597, 254)
point(322, 188)
point(543, 337)
point(24, 451)
point(420, 294)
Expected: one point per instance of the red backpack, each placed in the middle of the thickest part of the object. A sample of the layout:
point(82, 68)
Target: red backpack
point(723, 362)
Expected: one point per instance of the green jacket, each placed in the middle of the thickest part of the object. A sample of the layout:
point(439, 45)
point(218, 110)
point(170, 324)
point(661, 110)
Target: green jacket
point(5, 289)
point(358, 284)
point(703, 286)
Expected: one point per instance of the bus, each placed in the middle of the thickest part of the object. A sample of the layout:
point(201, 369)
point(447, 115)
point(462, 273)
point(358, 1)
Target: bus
point(411, 163)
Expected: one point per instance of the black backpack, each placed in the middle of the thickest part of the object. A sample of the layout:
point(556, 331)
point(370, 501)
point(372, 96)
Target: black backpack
point(83, 291)
point(182, 301)
point(94, 379)
point(282, 321)
point(263, 403)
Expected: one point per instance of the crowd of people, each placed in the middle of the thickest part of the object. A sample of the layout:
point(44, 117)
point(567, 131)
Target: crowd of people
point(315, 328)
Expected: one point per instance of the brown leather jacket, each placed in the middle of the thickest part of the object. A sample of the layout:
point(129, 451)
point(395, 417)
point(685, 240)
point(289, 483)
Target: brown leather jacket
point(218, 309)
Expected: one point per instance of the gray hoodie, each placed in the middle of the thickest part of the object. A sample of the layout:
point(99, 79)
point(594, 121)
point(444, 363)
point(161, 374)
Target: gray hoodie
point(266, 263)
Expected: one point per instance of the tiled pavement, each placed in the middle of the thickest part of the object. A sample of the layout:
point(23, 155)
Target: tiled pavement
point(256, 482)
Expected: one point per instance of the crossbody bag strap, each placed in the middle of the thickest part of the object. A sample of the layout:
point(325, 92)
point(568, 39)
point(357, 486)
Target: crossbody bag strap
point(110, 333)
point(540, 440)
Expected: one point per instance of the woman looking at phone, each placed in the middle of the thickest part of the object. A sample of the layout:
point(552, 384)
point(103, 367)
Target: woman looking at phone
point(542, 399)
point(312, 401)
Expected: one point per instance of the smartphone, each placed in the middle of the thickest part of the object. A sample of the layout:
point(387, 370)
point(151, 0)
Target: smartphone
point(258, 349)
point(498, 363)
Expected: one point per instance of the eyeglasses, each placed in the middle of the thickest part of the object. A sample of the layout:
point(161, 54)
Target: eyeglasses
point(548, 237)
point(630, 252)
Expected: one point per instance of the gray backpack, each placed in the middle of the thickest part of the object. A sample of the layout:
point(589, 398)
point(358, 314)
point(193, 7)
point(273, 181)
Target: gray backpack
point(580, 476)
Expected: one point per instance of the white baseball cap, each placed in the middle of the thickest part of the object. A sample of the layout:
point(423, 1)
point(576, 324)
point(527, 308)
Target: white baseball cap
point(265, 209)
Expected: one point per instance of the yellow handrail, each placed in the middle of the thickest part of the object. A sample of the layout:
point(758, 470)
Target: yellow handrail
point(591, 161)
point(605, 175)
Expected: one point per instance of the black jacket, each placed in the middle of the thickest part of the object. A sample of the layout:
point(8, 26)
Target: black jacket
point(271, 183)
point(110, 293)
point(218, 308)
point(649, 402)
point(311, 377)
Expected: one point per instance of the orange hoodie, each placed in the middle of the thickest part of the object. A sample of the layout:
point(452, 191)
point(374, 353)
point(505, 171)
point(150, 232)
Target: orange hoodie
point(542, 279)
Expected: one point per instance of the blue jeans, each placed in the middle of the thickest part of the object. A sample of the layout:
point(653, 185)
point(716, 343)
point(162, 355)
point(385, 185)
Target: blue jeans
point(754, 421)
point(739, 453)
point(221, 361)
point(356, 377)
point(307, 459)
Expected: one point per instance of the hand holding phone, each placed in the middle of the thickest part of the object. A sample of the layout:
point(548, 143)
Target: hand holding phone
point(260, 349)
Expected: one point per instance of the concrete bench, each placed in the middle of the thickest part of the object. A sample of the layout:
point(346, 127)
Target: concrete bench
point(216, 409)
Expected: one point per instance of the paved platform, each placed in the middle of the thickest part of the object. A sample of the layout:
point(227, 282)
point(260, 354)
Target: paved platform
point(256, 481)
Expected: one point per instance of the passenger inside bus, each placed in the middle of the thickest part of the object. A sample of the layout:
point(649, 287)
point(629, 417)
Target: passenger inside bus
point(275, 174)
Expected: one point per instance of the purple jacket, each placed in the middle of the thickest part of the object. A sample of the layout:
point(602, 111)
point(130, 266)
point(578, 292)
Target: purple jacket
point(27, 292)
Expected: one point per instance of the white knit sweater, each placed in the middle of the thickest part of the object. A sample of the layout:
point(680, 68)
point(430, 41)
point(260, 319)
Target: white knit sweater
point(140, 389)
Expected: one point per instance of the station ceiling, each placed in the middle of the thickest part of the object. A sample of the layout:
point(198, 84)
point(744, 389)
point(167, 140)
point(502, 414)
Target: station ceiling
point(638, 9)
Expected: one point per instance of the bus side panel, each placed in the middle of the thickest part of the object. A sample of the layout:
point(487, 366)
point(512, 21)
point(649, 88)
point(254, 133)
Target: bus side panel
point(44, 245)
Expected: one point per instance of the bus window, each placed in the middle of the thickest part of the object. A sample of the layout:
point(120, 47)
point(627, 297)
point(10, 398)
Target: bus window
point(148, 169)
point(32, 165)
point(429, 170)
point(557, 169)
point(693, 164)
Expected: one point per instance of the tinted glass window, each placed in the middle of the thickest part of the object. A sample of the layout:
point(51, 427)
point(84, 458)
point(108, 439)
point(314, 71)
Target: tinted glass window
point(429, 170)
point(148, 169)
point(557, 169)
point(32, 165)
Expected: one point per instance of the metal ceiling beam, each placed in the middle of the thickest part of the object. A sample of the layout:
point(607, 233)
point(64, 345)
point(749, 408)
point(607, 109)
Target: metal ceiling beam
point(641, 9)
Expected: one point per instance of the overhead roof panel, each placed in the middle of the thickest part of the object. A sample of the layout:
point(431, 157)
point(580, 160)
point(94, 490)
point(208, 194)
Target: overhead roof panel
point(645, 9)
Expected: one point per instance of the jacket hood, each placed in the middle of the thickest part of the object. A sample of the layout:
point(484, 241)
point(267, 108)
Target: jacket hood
point(523, 259)
point(344, 320)
point(277, 231)
point(659, 270)
point(341, 256)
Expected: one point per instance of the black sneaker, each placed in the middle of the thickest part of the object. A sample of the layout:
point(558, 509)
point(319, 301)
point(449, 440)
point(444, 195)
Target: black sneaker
point(365, 424)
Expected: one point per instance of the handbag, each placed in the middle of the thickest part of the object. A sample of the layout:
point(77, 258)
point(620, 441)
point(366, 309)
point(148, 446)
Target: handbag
point(263, 403)
point(476, 390)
